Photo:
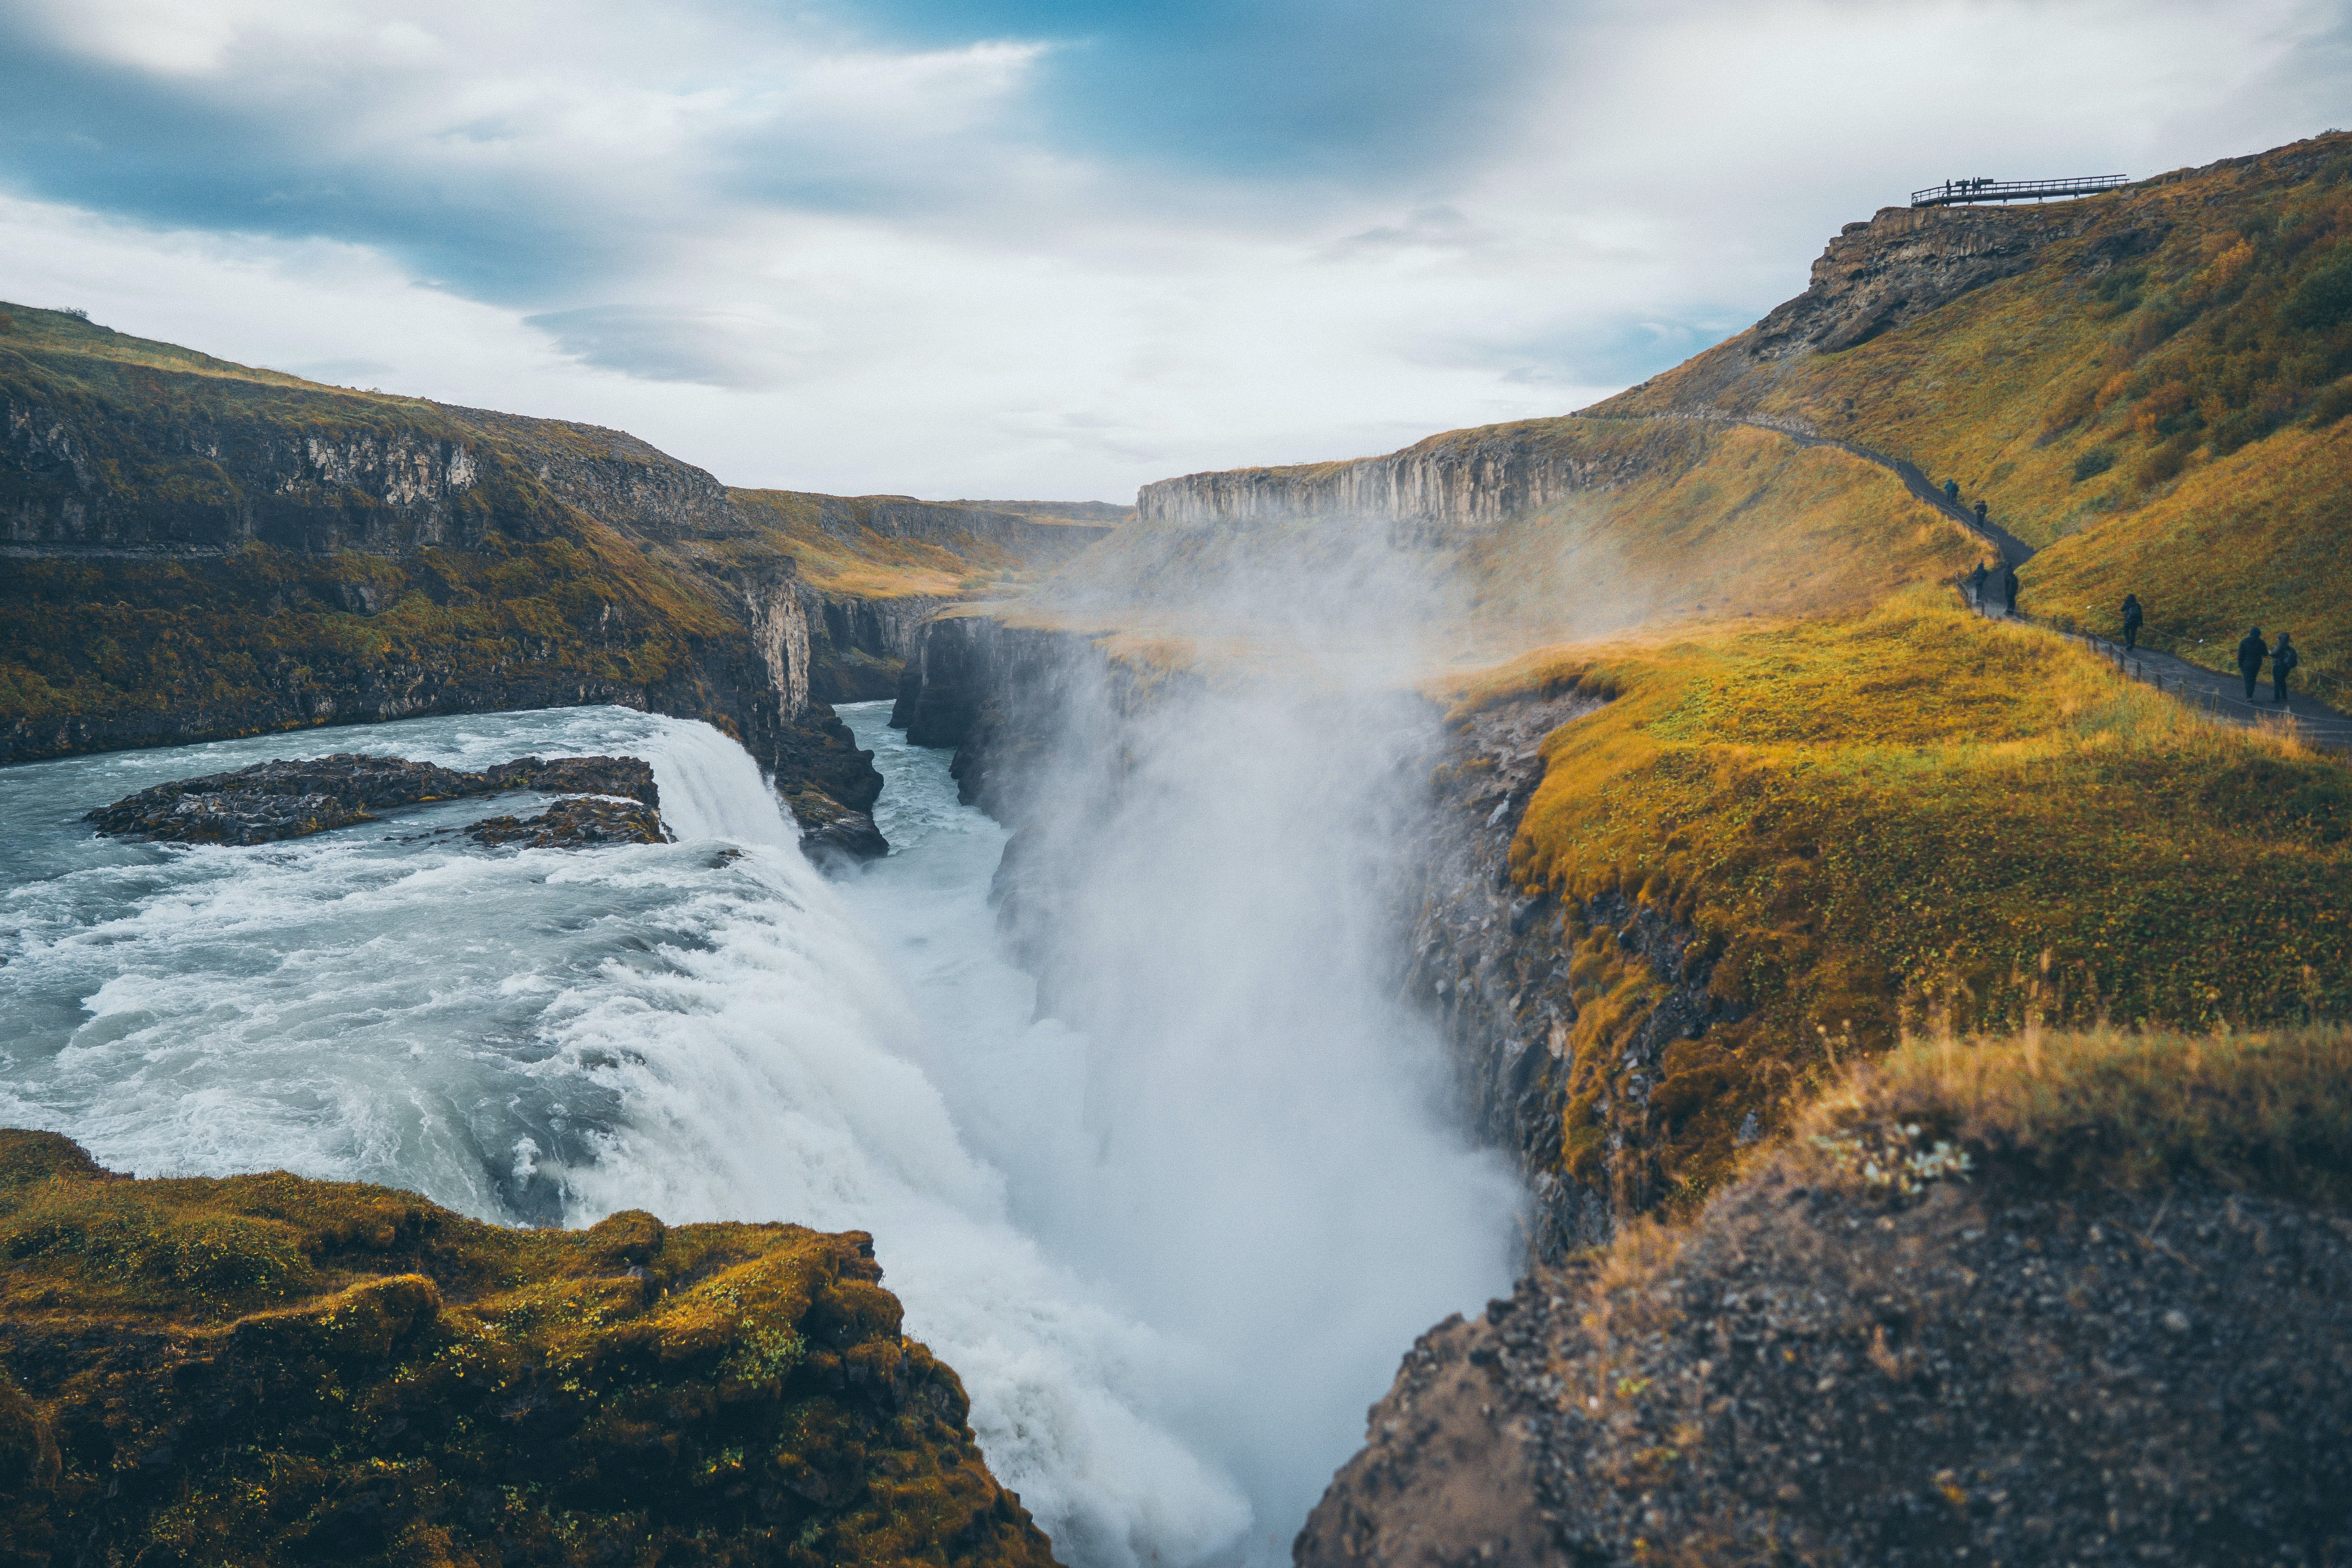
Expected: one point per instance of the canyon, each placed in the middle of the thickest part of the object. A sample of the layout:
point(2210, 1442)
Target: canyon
point(1598, 851)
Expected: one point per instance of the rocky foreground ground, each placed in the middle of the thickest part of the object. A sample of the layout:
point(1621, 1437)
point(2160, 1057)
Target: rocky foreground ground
point(272, 800)
point(1873, 1352)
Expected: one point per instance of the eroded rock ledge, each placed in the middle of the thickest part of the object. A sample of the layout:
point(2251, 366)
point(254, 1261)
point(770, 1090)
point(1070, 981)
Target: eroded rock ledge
point(271, 801)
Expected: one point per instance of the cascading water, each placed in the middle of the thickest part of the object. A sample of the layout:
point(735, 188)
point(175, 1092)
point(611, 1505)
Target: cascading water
point(709, 1029)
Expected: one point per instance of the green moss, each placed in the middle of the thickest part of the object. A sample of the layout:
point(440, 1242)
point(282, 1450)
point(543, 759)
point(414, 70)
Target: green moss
point(265, 1370)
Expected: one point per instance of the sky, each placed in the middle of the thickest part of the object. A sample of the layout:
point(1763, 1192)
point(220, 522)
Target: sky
point(1049, 249)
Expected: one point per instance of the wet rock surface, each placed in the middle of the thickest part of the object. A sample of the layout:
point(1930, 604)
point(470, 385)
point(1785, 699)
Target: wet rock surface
point(580, 823)
point(1496, 968)
point(271, 801)
point(1980, 1374)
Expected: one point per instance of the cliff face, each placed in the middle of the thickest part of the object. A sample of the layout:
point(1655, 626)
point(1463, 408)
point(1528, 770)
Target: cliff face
point(270, 1371)
point(191, 549)
point(1448, 481)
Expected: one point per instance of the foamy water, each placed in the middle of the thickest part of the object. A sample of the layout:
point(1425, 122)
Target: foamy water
point(707, 1029)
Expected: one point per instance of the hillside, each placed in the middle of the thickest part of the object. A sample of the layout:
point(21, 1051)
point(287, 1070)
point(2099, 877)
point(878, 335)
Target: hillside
point(2148, 385)
point(192, 549)
point(266, 1370)
point(1896, 822)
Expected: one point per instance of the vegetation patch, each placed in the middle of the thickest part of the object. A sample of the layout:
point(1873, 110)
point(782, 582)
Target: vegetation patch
point(1906, 821)
point(267, 1370)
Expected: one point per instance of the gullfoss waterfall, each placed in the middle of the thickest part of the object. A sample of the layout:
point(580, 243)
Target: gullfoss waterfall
point(710, 1029)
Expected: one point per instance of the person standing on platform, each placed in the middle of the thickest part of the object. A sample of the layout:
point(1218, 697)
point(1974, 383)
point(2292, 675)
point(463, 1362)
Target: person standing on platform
point(2131, 622)
point(2251, 654)
point(2283, 658)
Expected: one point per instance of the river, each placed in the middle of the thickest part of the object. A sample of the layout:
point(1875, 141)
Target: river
point(710, 1029)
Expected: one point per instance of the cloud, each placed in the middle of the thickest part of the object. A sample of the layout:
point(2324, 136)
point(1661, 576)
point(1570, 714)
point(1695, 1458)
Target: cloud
point(1049, 247)
point(713, 348)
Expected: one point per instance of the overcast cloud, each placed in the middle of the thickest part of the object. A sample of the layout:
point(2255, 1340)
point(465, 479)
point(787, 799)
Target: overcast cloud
point(1048, 247)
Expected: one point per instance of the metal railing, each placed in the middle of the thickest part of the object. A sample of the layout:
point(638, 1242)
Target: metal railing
point(1953, 192)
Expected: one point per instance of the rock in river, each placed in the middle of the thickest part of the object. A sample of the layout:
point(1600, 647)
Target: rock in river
point(290, 799)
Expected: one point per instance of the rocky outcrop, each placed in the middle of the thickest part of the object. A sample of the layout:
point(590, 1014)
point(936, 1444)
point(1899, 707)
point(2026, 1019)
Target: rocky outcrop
point(269, 1370)
point(273, 801)
point(577, 824)
point(1822, 1372)
point(1905, 262)
point(397, 488)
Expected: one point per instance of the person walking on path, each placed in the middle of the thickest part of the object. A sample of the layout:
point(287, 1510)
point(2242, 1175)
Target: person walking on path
point(2009, 587)
point(2283, 658)
point(2251, 654)
point(2131, 622)
point(1982, 510)
point(1952, 492)
point(1976, 585)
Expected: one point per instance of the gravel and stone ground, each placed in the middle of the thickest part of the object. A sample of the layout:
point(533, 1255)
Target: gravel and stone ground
point(1981, 1372)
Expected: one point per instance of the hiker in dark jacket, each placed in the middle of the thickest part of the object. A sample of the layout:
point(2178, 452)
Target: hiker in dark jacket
point(2251, 654)
point(2131, 621)
point(2283, 658)
point(1952, 490)
point(2009, 587)
point(1976, 585)
point(1982, 510)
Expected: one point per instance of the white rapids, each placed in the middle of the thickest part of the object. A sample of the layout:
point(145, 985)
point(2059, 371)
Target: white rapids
point(708, 1029)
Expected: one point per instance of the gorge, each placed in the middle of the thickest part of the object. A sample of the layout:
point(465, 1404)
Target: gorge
point(1593, 863)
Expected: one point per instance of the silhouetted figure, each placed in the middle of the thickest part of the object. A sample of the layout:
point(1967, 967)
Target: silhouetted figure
point(2131, 621)
point(1952, 492)
point(2283, 658)
point(1976, 585)
point(2008, 588)
point(2251, 654)
point(1982, 510)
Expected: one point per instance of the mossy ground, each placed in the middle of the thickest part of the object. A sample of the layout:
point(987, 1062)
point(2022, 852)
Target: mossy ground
point(267, 1370)
point(1908, 820)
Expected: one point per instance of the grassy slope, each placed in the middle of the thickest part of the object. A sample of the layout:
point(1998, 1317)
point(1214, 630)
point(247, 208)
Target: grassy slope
point(2168, 426)
point(861, 564)
point(1906, 818)
point(268, 1369)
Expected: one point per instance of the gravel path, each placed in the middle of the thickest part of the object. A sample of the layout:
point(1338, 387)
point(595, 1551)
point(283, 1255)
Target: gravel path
point(2222, 696)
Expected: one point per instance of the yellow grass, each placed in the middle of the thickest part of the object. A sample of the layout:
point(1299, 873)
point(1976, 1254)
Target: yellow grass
point(1913, 818)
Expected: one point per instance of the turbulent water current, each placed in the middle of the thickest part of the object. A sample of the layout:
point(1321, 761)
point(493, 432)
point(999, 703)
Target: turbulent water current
point(710, 1029)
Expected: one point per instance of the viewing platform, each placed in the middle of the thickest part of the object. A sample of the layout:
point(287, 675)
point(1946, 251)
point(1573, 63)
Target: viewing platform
point(1953, 192)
